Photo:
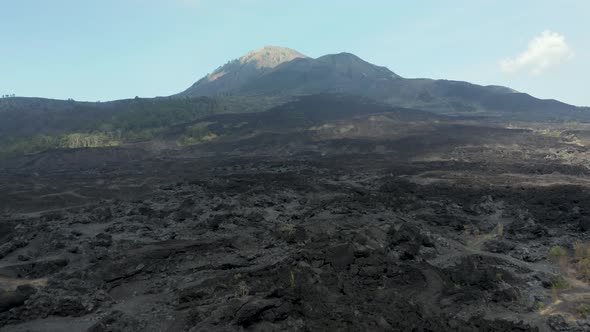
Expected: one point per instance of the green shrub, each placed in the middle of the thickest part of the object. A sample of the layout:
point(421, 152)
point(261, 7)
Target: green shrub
point(87, 140)
point(287, 229)
point(557, 251)
point(584, 310)
point(243, 289)
point(582, 257)
point(559, 283)
point(539, 306)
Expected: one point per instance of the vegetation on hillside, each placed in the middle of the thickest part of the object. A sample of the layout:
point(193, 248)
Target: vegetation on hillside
point(196, 134)
point(28, 128)
point(577, 265)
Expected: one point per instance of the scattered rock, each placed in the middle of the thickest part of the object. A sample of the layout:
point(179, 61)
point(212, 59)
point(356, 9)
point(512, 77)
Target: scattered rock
point(340, 256)
point(498, 246)
point(253, 311)
point(103, 240)
point(558, 323)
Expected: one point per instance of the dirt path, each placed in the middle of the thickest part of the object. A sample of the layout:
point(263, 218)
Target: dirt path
point(459, 251)
point(37, 214)
point(7, 283)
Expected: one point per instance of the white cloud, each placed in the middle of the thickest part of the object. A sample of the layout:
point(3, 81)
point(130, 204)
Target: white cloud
point(547, 50)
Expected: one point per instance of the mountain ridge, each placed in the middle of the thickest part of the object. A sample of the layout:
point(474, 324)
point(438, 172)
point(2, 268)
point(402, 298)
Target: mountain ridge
point(297, 75)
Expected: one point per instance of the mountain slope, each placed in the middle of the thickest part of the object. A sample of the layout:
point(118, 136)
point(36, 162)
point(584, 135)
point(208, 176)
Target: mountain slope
point(234, 74)
point(335, 73)
point(283, 72)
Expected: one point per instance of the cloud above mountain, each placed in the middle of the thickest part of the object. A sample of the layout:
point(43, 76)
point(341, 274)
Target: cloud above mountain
point(547, 50)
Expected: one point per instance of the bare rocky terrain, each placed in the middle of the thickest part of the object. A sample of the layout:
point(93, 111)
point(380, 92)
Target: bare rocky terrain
point(323, 214)
point(288, 193)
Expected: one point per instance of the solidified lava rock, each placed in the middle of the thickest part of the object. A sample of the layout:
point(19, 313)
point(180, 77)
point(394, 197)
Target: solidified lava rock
point(102, 214)
point(409, 233)
point(526, 230)
point(408, 240)
point(584, 223)
point(35, 269)
point(117, 321)
point(479, 272)
point(499, 246)
point(11, 299)
point(340, 256)
point(11, 246)
point(103, 240)
point(558, 323)
point(291, 240)
point(478, 278)
point(53, 216)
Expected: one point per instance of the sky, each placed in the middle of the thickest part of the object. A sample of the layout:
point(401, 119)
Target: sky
point(113, 49)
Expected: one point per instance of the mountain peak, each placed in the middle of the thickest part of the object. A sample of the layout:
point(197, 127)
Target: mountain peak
point(342, 55)
point(247, 68)
point(281, 70)
point(270, 56)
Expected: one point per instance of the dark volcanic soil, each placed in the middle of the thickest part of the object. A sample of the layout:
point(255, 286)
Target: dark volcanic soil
point(447, 230)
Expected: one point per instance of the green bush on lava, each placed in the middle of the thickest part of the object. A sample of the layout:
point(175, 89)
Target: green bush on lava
point(559, 283)
point(195, 134)
point(557, 251)
point(584, 310)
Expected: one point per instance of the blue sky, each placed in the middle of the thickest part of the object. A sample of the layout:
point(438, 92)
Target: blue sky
point(112, 49)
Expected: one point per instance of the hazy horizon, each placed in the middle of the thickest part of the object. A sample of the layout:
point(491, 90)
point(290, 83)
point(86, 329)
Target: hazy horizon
point(122, 49)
